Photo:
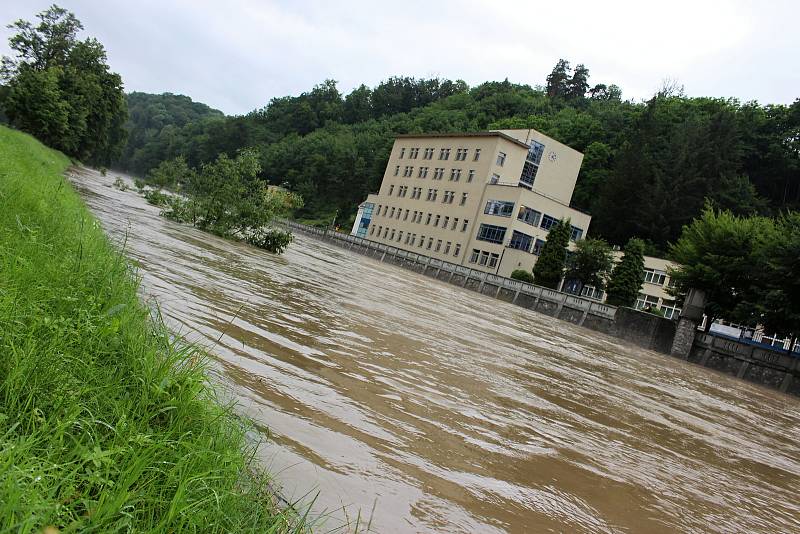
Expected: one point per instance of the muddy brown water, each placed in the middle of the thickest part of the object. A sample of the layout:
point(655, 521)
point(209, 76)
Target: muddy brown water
point(434, 409)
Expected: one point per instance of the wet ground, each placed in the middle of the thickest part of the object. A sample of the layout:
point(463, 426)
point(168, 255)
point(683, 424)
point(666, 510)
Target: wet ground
point(429, 408)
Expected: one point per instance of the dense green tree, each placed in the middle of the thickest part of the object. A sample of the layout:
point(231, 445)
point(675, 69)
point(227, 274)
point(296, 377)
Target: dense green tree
point(718, 254)
point(773, 299)
point(558, 80)
point(549, 268)
point(61, 89)
point(628, 275)
point(579, 83)
point(589, 265)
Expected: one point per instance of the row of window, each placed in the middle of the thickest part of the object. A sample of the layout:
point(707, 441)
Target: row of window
point(438, 173)
point(668, 307)
point(484, 258)
point(433, 194)
point(417, 216)
point(444, 153)
point(393, 234)
point(530, 216)
point(652, 276)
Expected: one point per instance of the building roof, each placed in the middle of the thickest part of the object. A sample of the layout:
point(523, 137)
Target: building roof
point(464, 134)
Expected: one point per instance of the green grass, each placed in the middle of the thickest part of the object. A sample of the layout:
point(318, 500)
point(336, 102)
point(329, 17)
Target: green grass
point(107, 423)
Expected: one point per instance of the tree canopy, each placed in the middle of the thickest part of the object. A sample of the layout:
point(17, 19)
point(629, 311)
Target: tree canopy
point(549, 268)
point(61, 90)
point(628, 275)
point(647, 171)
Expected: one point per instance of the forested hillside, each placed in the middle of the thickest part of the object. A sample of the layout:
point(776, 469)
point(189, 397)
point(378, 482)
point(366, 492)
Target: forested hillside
point(649, 166)
point(152, 119)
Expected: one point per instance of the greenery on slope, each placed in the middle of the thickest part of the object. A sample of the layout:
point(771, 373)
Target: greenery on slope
point(61, 89)
point(648, 167)
point(107, 422)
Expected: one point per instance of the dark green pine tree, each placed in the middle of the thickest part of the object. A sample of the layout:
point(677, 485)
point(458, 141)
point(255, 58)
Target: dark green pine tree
point(550, 266)
point(628, 275)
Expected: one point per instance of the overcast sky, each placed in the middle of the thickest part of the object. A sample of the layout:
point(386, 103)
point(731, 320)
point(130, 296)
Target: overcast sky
point(237, 54)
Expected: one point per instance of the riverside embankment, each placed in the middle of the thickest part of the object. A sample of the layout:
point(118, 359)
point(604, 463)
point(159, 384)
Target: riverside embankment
point(451, 411)
point(106, 423)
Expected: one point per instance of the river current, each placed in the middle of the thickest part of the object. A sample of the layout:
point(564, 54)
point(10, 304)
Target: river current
point(423, 407)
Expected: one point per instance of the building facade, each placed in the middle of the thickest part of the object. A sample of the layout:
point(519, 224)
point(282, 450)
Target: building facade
point(485, 200)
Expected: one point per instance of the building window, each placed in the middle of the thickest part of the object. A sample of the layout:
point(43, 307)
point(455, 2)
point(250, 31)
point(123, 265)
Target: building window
point(414, 153)
point(421, 241)
point(537, 247)
point(408, 171)
point(477, 154)
point(455, 224)
point(491, 233)
point(438, 173)
point(458, 250)
point(428, 220)
point(379, 210)
point(392, 214)
point(548, 222)
point(575, 233)
point(444, 153)
point(397, 170)
point(493, 258)
point(652, 276)
point(645, 300)
point(398, 212)
point(435, 193)
point(423, 172)
point(474, 256)
point(447, 247)
point(529, 216)
point(531, 166)
point(464, 226)
point(444, 223)
point(400, 236)
point(392, 236)
point(495, 179)
point(402, 153)
point(405, 215)
point(430, 243)
point(471, 175)
point(391, 189)
point(448, 197)
point(521, 241)
point(371, 230)
point(500, 208)
point(413, 239)
point(463, 198)
point(501, 159)
point(461, 154)
point(385, 209)
point(438, 245)
point(436, 221)
point(593, 293)
point(484, 259)
point(428, 154)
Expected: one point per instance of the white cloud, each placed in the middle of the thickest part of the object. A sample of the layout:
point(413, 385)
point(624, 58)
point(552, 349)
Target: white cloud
point(239, 54)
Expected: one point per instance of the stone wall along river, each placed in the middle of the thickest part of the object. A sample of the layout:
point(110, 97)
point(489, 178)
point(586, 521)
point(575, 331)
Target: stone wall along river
point(447, 411)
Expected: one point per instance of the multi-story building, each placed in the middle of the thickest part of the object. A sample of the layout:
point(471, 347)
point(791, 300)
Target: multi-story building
point(485, 200)
point(654, 292)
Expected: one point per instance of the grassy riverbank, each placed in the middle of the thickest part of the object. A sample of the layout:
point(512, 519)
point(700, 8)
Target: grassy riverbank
point(105, 424)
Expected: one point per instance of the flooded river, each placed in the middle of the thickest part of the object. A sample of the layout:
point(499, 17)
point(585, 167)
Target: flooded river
point(434, 409)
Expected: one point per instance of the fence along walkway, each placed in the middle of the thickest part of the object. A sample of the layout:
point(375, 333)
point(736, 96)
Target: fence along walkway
point(555, 303)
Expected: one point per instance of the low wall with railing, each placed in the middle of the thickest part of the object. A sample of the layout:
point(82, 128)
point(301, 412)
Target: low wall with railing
point(646, 330)
point(774, 368)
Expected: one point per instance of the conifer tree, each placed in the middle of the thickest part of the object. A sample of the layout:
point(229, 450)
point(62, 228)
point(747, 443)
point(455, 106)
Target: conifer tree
point(550, 266)
point(628, 275)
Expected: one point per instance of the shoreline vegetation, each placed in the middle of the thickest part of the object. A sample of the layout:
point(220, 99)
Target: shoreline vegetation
point(107, 422)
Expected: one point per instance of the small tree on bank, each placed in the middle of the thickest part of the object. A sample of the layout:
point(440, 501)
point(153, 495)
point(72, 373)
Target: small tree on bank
point(628, 275)
point(590, 264)
point(550, 266)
